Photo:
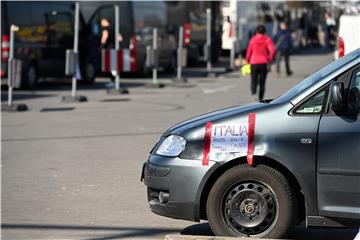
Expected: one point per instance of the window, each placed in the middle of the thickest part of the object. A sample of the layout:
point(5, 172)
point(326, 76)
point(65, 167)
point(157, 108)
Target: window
point(316, 77)
point(150, 14)
point(59, 29)
point(314, 105)
point(353, 97)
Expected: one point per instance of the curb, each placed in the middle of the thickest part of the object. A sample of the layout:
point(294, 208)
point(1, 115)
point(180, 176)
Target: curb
point(192, 237)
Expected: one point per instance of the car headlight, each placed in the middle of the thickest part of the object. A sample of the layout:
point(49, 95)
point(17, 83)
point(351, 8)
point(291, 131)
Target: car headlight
point(172, 146)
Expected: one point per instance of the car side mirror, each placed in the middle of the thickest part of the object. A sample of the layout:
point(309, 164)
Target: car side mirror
point(336, 96)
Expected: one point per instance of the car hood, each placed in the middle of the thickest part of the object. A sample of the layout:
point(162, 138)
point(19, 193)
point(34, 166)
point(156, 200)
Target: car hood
point(214, 116)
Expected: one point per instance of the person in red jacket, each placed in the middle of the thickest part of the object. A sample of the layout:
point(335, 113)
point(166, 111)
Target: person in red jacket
point(259, 53)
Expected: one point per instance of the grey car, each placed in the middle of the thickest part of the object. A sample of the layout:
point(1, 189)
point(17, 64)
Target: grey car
point(257, 170)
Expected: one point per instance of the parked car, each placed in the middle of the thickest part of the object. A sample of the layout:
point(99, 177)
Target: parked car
point(258, 169)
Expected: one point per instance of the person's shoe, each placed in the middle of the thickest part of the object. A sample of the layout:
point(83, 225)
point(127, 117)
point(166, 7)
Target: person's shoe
point(289, 73)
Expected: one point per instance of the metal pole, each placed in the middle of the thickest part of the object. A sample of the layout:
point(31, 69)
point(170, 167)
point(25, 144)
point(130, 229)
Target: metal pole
point(76, 43)
point(240, 39)
point(333, 6)
point(234, 37)
point(208, 37)
point(117, 44)
point(179, 57)
point(232, 51)
point(13, 29)
point(155, 81)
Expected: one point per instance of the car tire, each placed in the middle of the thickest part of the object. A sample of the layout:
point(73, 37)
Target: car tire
point(30, 78)
point(245, 202)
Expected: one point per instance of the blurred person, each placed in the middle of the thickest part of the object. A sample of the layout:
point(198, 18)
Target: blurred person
point(259, 54)
point(326, 30)
point(107, 41)
point(303, 26)
point(107, 33)
point(227, 34)
point(283, 41)
point(330, 29)
point(322, 34)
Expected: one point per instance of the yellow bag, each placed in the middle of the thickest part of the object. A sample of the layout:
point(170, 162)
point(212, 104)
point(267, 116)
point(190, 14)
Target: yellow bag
point(246, 69)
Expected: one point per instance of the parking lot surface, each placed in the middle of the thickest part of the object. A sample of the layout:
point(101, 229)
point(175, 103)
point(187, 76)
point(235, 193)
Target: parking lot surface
point(72, 170)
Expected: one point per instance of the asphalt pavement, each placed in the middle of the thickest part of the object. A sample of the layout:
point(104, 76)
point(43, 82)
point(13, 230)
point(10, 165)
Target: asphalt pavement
point(72, 170)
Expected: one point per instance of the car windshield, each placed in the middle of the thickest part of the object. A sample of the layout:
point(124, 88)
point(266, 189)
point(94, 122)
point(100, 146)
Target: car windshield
point(315, 77)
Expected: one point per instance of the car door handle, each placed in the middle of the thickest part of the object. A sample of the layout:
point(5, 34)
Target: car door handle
point(305, 140)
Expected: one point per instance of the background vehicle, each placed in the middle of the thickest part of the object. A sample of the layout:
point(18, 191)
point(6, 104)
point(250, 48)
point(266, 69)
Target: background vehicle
point(293, 158)
point(349, 35)
point(93, 13)
point(138, 18)
point(150, 15)
point(46, 31)
point(193, 15)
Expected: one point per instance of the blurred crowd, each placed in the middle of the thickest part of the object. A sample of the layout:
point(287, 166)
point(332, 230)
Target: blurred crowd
point(320, 34)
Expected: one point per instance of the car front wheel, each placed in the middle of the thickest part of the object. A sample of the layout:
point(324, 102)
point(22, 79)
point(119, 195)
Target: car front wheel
point(251, 202)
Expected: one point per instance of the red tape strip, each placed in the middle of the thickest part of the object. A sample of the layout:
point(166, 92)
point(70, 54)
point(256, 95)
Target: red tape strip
point(207, 144)
point(251, 138)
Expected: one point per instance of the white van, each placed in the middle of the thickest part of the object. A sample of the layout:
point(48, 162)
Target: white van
point(348, 36)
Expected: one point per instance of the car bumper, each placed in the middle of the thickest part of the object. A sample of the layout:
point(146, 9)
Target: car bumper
point(174, 186)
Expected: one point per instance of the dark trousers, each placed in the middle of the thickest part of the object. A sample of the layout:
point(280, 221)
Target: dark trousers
point(286, 55)
point(258, 77)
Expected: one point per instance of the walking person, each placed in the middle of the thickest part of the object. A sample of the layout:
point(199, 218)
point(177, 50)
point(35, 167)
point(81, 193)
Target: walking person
point(107, 34)
point(260, 53)
point(107, 42)
point(330, 32)
point(283, 43)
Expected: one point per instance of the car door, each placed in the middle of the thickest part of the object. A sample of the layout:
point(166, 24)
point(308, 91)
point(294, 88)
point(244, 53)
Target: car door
point(59, 37)
point(338, 160)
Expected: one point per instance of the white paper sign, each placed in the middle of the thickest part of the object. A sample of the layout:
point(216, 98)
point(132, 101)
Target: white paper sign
point(226, 138)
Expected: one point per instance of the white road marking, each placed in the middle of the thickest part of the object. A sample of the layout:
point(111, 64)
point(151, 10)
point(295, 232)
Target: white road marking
point(220, 89)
